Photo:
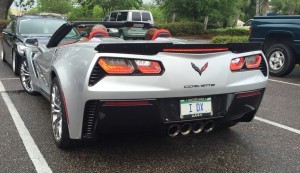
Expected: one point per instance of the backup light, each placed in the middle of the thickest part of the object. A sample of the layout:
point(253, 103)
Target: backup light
point(116, 65)
point(253, 61)
point(237, 64)
point(148, 67)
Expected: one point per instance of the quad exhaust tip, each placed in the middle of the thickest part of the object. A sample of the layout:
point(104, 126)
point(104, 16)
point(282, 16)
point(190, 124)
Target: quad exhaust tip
point(209, 126)
point(173, 130)
point(198, 127)
point(186, 129)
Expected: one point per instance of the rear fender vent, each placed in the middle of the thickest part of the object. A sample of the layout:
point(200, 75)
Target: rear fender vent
point(97, 74)
point(263, 67)
point(89, 119)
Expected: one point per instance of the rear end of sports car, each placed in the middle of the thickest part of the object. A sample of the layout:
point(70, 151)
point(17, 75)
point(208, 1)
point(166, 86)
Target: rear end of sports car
point(178, 91)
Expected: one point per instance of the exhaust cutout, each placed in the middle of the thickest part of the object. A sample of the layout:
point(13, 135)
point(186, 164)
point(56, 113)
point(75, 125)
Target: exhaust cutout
point(173, 130)
point(209, 126)
point(197, 127)
point(186, 129)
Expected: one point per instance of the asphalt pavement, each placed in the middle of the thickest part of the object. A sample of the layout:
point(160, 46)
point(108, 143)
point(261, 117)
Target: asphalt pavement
point(271, 143)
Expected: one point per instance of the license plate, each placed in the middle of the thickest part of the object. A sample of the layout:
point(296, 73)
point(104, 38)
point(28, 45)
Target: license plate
point(196, 107)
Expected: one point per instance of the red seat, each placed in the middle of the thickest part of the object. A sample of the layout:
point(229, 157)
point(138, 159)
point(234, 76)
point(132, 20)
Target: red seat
point(98, 33)
point(161, 33)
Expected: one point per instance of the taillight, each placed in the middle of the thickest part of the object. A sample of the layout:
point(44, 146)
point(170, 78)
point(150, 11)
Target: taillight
point(129, 66)
point(253, 61)
point(237, 64)
point(248, 62)
point(148, 67)
point(116, 65)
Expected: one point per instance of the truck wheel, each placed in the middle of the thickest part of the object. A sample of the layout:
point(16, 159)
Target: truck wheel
point(281, 60)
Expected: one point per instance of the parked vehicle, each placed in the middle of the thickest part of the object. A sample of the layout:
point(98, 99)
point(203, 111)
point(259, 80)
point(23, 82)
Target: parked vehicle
point(130, 16)
point(20, 28)
point(107, 83)
point(281, 38)
point(119, 17)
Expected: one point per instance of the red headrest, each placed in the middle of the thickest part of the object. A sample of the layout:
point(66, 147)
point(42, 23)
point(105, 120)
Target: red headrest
point(161, 33)
point(98, 33)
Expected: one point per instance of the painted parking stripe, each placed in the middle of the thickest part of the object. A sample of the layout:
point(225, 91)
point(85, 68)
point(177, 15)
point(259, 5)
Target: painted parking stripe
point(33, 151)
point(9, 78)
point(2, 89)
point(278, 81)
point(278, 125)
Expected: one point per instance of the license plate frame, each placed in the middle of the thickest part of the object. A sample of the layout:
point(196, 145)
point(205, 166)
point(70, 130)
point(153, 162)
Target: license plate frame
point(196, 107)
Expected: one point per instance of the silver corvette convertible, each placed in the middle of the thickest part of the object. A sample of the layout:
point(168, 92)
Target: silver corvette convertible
point(107, 84)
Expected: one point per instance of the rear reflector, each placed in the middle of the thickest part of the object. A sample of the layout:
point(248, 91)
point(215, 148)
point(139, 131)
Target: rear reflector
point(249, 94)
point(195, 50)
point(127, 103)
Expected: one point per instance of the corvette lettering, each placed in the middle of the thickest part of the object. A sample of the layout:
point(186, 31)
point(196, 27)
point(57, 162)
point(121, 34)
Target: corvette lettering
point(200, 86)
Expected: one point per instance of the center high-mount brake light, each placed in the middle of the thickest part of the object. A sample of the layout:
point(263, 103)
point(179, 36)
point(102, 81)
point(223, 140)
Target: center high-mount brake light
point(148, 67)
point(116, 65)
point(196, 50)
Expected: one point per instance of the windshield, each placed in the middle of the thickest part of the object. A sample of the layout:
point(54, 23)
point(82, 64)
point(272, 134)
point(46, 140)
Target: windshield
point(39, 27)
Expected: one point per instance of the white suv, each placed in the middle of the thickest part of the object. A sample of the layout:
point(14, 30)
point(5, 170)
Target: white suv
point(130, 15)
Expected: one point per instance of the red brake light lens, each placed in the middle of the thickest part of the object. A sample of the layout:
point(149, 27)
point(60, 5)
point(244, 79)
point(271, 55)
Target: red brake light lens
point(148, 67)
point(253, 61)
point(116, 65)
point(237, 64)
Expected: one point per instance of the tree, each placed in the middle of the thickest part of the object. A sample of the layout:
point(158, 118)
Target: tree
point(4, 8)
point(54, 6)
point(110, 5)
point(24, 5)
point(216, 12)
point(285, 6)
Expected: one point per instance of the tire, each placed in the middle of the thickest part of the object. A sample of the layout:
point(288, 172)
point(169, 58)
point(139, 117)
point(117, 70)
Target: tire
point(25, 77)
point(15, 63)
point(281, 60)
point(3, 55)
point(59, 123)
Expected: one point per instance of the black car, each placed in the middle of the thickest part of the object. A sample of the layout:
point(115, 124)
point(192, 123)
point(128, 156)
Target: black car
point(22, 28)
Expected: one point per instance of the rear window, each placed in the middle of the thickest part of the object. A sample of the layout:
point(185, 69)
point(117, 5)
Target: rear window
point(136, 16)
point(146, 17)
point(122, 16)
point(113, 16)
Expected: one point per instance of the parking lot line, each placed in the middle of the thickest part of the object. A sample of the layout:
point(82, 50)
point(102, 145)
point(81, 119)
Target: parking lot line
point(278, 81)
point(14, 78)
point(33, 151)
point(277, 125)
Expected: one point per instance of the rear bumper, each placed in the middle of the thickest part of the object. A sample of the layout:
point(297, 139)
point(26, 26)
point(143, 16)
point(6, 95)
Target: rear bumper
point(156, 114)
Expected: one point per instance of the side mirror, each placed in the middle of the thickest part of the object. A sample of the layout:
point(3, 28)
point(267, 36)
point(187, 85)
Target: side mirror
point(83, 34)
point(31, 41)
point(8, 31)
